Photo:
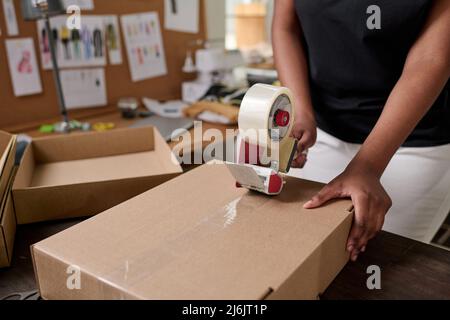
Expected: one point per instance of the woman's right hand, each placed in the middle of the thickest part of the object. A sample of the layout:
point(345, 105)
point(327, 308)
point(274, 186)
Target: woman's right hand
point(305, 131)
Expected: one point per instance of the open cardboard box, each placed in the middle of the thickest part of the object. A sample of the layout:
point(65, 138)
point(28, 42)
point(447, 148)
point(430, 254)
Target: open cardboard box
point(7, 217)
point(199, 237)
point(84, 174)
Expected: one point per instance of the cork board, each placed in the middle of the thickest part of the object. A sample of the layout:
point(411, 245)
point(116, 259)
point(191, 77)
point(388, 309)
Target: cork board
point(18, 113)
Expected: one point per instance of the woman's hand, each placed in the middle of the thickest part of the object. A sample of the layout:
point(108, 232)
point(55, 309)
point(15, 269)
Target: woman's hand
point(370, 200)
point(305, 131)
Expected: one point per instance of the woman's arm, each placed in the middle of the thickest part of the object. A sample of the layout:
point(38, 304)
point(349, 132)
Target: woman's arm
point(426, 71)
point(290, 60)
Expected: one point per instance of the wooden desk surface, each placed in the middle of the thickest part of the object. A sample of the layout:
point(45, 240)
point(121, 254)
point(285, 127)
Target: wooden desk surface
point(409, 269)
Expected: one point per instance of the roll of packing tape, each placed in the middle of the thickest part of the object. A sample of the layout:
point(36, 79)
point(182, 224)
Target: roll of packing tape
point(270, 111)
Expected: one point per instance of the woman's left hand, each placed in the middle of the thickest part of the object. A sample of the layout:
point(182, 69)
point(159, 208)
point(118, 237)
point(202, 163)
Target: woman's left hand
point(370, 200)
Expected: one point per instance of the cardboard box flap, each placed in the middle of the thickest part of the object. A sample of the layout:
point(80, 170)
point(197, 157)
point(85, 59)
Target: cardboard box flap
point(7, 232)
point(90, 145)
point(195, 237)
point(25, 171)
point(5, 146)
point(7, 159)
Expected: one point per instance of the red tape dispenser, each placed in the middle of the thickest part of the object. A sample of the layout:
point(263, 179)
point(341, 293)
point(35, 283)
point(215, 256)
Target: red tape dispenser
point(265, 149)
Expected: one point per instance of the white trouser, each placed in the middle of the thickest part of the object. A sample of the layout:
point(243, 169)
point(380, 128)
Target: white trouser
point(417, 179)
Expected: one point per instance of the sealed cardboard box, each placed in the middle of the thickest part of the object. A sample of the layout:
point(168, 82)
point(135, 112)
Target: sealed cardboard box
point(199, 237)
point(83, 174)
point(7, 217)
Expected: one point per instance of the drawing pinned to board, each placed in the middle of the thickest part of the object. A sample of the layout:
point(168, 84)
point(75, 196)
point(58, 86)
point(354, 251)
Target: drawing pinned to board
point(182, 15)
point(112, 35)
point(12, 29)
point(144, 45)
point(84, 88)
point(23, 66)
point(74, 48)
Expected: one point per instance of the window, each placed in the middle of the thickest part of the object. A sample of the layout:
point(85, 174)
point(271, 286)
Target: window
point(248, 23)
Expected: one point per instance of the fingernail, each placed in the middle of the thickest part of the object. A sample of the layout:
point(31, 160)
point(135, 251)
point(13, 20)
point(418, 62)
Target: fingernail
point(308, 204)
point(363, 249)
point(354, 257)
point(350, 248)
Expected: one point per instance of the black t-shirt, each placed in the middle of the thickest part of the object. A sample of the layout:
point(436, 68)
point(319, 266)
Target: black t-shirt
point(356, 53)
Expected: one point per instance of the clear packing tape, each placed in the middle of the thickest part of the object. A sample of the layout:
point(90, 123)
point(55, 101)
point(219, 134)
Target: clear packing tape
point(259, 110)
point(148, 264)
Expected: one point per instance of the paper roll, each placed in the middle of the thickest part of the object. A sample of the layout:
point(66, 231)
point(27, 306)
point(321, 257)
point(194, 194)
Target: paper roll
point(258, 113)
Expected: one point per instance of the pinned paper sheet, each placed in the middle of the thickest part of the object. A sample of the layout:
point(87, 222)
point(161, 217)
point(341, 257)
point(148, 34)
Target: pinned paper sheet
point(112, 35)
point(74, 48)
point(10, 18)
point(182, 15)
point(23, 66)
point(84, 88)
point(144, 45)
point(82, 4)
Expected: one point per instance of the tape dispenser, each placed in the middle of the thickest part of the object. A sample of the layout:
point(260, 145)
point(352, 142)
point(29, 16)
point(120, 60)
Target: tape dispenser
point(265, 148)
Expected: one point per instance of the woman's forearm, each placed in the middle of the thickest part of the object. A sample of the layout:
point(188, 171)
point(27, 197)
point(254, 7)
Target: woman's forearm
point(425, 74)
point(289, 55)
point(410, 100)
point(408, 104)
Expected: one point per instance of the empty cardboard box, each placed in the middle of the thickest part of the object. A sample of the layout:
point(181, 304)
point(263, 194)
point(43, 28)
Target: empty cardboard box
point(84, 174)
point(199, 237)
point(7, 217)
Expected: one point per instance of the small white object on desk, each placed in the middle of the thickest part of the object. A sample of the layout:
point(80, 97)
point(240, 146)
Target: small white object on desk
point(213, 117)
point(193, 91)
point(170, 109)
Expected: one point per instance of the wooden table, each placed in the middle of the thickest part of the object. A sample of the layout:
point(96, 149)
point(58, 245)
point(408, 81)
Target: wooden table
point(409, 269)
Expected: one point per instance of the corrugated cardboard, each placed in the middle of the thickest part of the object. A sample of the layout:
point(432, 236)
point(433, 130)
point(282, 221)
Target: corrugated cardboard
point(7, 230)
point(84, 174)
point(199, 237)
point(7, 218)
point(7, 157)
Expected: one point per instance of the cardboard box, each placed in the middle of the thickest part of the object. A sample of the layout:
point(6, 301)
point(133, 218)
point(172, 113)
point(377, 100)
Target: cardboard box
point(7, 217)
point(7, 229)
point(199, 237)
point(79, 175)
point(7, 159)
